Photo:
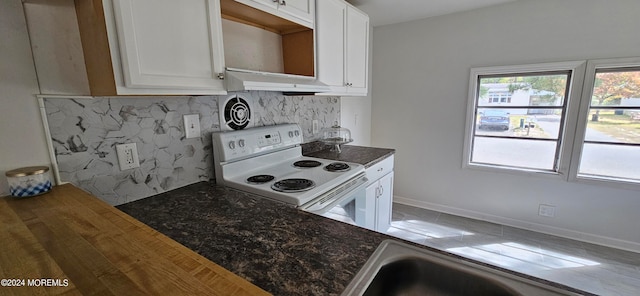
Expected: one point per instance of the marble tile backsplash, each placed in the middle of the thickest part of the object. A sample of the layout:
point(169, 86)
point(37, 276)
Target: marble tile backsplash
point(85, 132)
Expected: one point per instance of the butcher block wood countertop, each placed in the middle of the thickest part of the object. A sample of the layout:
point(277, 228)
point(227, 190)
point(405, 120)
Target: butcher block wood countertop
point(69, 236)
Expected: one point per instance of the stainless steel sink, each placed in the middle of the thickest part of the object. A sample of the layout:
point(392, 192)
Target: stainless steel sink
point(396, 268)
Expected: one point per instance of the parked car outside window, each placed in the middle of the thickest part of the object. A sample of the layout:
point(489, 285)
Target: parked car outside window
point(494, 119)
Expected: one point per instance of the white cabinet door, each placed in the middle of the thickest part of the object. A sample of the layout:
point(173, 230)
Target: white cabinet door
point(271, 4)
point(331, 25)
point(366, 207)
point(167, 44)
point(357, 48)
point(384, 203)
point(299, 11)
point(373, 210)
point(347, 48)
point(302, 9)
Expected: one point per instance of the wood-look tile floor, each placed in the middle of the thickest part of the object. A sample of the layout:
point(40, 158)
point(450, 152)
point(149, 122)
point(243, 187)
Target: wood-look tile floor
point(592, 268)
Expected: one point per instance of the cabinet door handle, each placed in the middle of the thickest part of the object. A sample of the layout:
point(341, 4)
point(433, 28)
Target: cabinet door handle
point(381, 190)
point(283, 3)
point(221, 76)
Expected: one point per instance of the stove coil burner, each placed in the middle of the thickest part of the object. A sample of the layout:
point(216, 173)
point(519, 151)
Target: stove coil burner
point(307, 164)
point(260, 179)
point(293, 185)
point(337, 167)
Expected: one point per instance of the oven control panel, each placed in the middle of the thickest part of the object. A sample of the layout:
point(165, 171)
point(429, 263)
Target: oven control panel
point(244, 143)
point(268, 139)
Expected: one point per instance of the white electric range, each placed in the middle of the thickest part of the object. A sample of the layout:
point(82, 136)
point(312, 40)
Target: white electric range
point(268, 161)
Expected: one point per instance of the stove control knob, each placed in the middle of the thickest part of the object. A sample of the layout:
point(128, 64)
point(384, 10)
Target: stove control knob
point(232, 144)
point(297, 132)
point(241, 143)
point(290, 134)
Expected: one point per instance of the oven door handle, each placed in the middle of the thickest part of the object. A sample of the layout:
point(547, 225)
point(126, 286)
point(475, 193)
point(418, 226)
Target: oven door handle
point(320, 206)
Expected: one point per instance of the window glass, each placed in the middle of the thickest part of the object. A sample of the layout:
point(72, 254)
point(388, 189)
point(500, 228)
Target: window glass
point(518, 120)
point(519, 123)
point(528, 154)
point(523, 90)
point(521, 118)
point(614, 126)
point(610, 162)
point(611, 147)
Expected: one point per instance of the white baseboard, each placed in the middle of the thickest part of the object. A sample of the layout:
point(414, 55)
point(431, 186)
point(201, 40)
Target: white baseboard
point(562, 232)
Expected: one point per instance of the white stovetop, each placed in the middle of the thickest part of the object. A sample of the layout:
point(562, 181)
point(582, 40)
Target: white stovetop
point(324, 180)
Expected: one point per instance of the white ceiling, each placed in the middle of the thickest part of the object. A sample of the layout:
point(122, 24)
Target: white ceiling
point(385, 12)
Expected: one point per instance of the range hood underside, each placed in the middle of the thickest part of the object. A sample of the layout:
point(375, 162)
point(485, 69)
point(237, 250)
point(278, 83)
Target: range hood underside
point(243, 80)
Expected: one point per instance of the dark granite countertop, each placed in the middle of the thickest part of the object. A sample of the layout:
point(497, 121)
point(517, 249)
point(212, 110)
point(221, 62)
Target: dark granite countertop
point(366, 156)
point(275, 246)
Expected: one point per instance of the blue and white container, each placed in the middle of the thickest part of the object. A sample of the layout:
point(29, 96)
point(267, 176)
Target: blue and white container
point(29, 181)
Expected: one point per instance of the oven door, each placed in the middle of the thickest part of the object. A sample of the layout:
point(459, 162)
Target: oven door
point(341, 195)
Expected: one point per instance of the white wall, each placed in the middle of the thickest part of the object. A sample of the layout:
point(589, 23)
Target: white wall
point(355, 114)
point(22, 140)
point(420, 79)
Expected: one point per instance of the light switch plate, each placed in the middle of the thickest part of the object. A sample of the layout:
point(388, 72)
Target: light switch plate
point(127, 156)
point(192, 126)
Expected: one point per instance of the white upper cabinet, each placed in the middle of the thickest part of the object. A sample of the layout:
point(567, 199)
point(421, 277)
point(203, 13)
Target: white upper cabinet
point(343, 47)
point(357, 51)
point(298, 11)
point(331, 27)
point(166, 46)
point(127, 47)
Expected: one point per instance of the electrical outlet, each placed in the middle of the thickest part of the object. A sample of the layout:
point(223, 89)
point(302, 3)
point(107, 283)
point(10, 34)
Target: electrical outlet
point(315, 128)
point(192, 126)
point(547, 211)
point(127, 156)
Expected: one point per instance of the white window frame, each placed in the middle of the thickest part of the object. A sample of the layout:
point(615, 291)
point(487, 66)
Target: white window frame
point(577, 69)
point(591, 68)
